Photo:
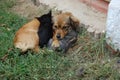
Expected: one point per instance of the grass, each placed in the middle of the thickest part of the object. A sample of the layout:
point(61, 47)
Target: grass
point(90, 60)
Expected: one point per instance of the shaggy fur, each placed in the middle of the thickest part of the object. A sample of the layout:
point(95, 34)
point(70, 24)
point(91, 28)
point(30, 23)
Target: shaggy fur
point(65, 43)
point(63, 23)
point(34, 33)
point(26, 37)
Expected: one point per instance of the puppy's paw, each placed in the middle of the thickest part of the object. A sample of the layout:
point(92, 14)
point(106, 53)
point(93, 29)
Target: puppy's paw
point(55, 44)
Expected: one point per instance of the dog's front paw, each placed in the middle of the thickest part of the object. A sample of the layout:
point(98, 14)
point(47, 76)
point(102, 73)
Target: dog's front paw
point(55, 44)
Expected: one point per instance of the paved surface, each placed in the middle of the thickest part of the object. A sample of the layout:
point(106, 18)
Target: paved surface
point(85, 13)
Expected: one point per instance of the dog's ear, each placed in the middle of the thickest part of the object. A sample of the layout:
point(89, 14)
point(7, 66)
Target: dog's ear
point(74, 22)
point(50, 13)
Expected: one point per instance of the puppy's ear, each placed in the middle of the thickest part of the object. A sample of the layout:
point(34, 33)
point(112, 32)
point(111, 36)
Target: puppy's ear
point(50, 13)
point(74, 22)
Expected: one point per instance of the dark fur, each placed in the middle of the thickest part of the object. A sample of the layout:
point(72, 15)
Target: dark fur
point(67, 42)
point(45, 31)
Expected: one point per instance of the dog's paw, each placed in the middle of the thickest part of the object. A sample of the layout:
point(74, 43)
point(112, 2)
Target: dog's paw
point(55, 44)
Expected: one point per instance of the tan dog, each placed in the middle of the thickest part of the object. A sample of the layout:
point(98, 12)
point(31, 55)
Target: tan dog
point(26, 37)
point(35, 33)
point(62, 24)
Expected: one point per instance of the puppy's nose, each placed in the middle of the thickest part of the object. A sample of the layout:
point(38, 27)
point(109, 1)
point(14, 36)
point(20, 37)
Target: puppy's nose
point(58, 36)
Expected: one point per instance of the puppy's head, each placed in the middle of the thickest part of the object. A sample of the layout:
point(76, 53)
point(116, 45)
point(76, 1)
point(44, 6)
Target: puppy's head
point(64, 23)
point(46, 18)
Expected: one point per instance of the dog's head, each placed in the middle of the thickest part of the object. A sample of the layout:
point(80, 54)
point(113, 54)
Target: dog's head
point(64, 23)
point(46, 18)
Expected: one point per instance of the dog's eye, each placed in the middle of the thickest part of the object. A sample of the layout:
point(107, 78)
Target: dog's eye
point(65, 27)
point(55, 27)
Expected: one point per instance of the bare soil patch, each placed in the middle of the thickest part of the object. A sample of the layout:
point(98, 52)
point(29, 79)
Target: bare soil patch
point(29, 9)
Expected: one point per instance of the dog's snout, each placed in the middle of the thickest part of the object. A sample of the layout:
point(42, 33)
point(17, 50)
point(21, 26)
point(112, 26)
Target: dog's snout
point(58, 36)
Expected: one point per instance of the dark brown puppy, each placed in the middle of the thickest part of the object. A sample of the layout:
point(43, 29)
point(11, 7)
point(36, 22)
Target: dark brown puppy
point(62, 25)
point(30, 35)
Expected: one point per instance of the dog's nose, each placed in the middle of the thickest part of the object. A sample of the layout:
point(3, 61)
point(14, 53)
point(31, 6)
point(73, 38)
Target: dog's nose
point(58, 36)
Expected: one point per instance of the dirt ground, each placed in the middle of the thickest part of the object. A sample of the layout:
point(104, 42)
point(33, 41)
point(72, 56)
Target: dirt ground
point(30, 9)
